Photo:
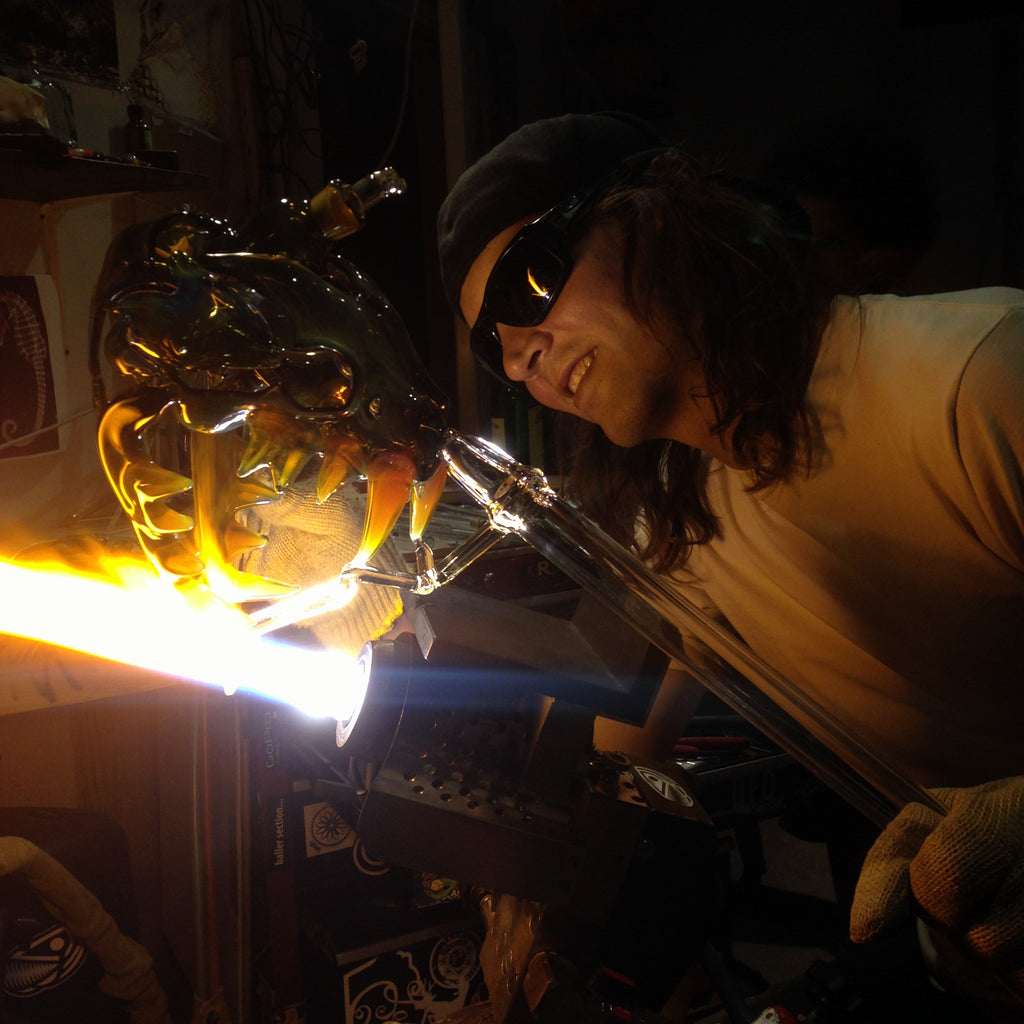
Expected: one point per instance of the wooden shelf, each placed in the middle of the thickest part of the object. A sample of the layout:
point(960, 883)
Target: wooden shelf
point(43, 177)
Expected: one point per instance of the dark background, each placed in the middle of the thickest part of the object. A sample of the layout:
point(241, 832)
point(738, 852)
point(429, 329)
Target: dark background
point(915, 108)
point(920, 102)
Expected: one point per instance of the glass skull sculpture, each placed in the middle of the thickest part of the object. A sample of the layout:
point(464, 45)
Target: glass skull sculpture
point(217, 353)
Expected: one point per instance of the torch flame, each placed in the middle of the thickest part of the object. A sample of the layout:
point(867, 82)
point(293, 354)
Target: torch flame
point(120, 608)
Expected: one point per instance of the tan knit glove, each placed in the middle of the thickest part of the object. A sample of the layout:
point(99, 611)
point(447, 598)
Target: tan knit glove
point(128, 967)
point(963, 874)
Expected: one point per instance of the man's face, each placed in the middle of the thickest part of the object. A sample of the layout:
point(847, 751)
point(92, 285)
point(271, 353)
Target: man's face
point(592, 358)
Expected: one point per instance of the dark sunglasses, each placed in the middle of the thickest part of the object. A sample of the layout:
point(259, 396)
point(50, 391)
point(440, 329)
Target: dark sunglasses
point(529, 276)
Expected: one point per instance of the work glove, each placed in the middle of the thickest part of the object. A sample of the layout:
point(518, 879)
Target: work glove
point(962, 875)
point(128, 967)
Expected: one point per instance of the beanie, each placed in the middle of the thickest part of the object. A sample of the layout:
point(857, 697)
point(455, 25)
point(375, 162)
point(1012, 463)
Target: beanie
point(530, 171)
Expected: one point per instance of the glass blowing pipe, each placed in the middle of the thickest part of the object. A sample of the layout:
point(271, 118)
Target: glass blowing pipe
point(518, 499)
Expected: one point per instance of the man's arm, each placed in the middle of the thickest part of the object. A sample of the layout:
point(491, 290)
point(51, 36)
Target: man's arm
point(990, 436)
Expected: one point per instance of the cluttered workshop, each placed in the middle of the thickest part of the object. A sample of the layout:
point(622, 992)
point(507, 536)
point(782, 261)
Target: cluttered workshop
point(320, 701)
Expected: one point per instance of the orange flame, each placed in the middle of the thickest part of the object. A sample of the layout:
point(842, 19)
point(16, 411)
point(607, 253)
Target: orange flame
point(117, 606)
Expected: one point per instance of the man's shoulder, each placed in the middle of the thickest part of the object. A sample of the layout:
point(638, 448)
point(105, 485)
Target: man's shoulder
point(979, 301)
point(946, 322)
point(912, 352)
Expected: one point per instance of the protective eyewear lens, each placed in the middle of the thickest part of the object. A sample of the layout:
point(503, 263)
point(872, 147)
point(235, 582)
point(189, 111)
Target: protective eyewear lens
point(530, 274)
point(528, 277)
point(525, 283)
point(522, 287)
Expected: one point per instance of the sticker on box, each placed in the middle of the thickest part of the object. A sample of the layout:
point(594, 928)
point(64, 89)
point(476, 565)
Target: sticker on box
point(326, 830)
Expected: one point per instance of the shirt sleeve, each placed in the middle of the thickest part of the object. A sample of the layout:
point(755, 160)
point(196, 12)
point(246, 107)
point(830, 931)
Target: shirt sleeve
point(990, 435)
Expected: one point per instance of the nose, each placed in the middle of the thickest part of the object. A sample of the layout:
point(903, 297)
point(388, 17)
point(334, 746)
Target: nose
point(522, 349)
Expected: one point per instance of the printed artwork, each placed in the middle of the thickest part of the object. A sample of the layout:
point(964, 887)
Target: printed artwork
point(326, 830)
point(423, 984)
point(173, 58)
point(29, 386)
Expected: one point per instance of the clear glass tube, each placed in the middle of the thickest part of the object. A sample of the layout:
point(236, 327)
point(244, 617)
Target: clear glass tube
point(518, 499)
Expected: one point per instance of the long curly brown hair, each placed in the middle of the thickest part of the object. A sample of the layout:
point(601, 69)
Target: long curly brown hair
point(713, 261)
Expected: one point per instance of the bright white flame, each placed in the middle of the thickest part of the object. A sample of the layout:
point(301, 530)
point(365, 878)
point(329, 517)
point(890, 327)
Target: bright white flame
point(141, 619)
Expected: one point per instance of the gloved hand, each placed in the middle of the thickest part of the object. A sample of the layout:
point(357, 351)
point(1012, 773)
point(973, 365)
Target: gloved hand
point(128, 967)
point(962, 874)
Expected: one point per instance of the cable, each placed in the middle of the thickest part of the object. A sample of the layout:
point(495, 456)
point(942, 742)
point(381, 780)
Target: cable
point(23, 439)
point(282, 56)
point(406, 78)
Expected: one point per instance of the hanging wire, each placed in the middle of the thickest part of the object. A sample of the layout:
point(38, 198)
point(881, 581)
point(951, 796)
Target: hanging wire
point(23, 439)
point(284, 75)
point(406, 80)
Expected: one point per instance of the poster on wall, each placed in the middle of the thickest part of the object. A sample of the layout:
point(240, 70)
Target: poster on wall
point(171, 57)
point(32, 370)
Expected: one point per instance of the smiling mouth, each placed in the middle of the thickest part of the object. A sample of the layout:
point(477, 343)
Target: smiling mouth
point(579, 371)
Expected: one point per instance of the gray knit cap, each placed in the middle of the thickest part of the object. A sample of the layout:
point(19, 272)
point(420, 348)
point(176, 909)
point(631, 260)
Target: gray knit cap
point(528, 172)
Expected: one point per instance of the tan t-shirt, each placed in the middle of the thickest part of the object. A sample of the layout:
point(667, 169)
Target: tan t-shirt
point(890, 580)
